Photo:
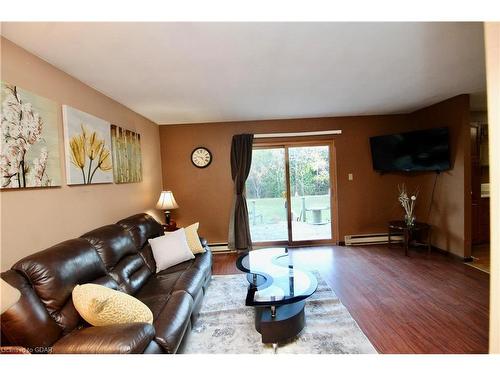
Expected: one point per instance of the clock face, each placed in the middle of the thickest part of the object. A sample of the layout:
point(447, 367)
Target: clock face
point(201, 157)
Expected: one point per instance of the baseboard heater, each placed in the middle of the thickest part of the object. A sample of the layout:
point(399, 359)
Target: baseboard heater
point(220, 248)
point(371, 239)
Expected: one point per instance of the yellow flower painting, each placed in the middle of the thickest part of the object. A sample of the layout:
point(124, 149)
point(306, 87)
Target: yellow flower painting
point(88, 142)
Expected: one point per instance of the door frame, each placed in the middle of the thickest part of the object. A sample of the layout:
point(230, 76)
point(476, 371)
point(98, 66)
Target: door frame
point(334, 224)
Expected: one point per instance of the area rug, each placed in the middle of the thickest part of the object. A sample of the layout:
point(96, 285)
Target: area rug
point(226, 325)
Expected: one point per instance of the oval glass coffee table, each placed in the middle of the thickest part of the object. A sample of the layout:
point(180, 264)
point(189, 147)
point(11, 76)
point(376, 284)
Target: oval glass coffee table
point(277, 289)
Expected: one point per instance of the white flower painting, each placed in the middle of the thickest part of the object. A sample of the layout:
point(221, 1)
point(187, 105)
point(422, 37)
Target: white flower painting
point(87, 143)
point(29, 140)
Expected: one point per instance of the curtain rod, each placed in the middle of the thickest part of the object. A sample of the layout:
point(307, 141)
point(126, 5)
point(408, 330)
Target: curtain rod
point(298, 134)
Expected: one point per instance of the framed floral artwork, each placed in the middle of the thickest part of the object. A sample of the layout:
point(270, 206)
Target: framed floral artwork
point(29, 140)
point(127, 159)
point(87, 142)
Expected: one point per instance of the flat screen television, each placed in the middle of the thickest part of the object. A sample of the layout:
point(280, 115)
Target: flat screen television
point(417, 151)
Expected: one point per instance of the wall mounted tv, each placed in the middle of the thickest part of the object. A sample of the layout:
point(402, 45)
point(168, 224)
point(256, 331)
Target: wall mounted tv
point(417, 151)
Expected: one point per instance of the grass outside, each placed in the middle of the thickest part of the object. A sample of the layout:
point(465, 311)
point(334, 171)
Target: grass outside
point(273, 210)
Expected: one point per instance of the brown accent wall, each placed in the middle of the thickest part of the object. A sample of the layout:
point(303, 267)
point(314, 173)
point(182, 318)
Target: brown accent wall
point(34, 219)
point(451, 209)
point(364, 204)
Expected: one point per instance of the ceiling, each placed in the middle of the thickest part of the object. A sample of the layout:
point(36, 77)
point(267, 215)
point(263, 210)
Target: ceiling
point(205, 72)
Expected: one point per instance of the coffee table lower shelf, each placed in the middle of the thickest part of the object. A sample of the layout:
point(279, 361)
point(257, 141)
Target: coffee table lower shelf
point(270, 273)
point(287, 321)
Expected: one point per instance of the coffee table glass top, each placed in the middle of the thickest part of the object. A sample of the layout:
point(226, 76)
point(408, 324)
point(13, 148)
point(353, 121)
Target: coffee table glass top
point(274, 278)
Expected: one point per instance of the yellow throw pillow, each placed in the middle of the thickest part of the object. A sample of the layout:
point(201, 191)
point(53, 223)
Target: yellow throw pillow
point(101, 306)
point(193, 239)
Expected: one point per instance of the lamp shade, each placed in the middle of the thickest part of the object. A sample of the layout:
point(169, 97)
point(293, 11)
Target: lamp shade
point(166, 201)
point(8, 295)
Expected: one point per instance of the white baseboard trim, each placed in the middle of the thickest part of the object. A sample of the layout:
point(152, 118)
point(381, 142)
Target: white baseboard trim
point(371, 239)
point(220, 248)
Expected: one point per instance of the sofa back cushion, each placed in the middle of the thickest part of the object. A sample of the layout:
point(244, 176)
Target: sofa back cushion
point(54, 272)
point(112, 244)
point(147, 254)
point(142, 227)
point(124, 264)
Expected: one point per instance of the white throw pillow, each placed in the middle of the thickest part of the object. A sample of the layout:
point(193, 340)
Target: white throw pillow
point(170, 249)
point(193, 239)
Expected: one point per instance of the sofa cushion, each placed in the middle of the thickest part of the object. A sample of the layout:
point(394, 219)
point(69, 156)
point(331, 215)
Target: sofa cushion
point(131, 273)
point(108, 282)
point(112, 243)
point(147, 254)
point(203, 262)
point(175, 269)
point(157, 286)
point(170, 325)
point(155, 303)
point(190, 275)
point(191, 281)
point(131, 338)
point(54, 273)
point(141, 227)
point(116, 248)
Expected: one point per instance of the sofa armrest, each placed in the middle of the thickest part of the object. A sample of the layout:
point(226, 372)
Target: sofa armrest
point(204, 242)
point(128, 338)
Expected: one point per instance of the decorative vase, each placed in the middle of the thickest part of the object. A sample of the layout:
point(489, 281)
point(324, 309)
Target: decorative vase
point(410, 221)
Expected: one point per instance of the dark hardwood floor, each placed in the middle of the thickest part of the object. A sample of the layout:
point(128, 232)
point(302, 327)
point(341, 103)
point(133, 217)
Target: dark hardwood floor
point(481, 257)
point(416, 304)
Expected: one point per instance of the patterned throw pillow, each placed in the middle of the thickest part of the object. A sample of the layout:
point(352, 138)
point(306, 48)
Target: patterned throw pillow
point(101, 306)
point(193, 239)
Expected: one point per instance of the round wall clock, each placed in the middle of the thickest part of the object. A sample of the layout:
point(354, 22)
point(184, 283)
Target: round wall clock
point(201, 157)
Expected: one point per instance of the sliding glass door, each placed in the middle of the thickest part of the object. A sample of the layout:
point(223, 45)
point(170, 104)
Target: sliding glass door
point(310, 192)
point(289, 194)
point(266, 196)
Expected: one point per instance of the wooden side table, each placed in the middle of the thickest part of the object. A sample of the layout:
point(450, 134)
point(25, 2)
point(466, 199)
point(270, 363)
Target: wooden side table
point(400, 227)
point(171, 227)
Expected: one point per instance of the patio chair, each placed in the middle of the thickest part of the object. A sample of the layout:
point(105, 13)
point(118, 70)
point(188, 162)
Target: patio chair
point(252, 213)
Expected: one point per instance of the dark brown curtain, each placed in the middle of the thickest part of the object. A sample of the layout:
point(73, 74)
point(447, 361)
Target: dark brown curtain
point(241, 161)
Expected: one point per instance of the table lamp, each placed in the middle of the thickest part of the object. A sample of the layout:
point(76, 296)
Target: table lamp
point(8, 295)
point(167, 202)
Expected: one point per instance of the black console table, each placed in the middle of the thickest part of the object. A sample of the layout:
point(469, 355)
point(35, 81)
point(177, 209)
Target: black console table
point(399, 227)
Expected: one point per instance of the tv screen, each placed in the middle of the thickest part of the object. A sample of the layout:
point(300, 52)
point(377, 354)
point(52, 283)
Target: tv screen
point(423, 150)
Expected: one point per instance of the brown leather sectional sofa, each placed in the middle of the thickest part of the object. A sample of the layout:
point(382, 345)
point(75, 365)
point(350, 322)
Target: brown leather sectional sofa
point(117, 256)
